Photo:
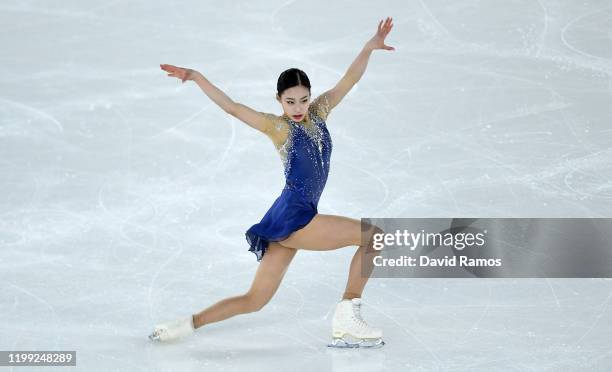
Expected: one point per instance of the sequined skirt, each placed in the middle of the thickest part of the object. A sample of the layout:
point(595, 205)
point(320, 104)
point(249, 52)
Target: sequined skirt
point(290, 212)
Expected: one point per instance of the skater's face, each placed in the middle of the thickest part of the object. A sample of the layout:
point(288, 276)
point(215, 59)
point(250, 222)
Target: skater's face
point(295, 102)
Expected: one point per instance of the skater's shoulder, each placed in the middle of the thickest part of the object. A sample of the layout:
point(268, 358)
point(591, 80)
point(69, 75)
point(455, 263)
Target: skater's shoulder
point(320, 106)
point(277, 128)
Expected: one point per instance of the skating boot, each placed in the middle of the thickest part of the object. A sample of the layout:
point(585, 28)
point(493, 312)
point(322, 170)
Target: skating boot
point(173, 330)
point(350, 330)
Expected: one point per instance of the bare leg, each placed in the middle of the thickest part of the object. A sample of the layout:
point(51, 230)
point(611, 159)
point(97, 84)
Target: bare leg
point(327, 232)
point(267, 279)
point(362, 265)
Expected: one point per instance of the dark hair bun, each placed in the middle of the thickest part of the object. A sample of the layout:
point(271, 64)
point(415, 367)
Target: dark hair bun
point(290, 78)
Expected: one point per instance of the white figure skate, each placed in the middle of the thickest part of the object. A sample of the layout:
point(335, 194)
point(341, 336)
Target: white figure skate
point(173, 330)
point(350, 330)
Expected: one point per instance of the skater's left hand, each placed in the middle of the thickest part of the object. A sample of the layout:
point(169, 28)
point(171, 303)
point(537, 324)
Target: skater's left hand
point(378, 40)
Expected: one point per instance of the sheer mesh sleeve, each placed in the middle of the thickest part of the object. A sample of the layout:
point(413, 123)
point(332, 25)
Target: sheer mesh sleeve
point(277, 128)
point(274, 123)
point(321, 106)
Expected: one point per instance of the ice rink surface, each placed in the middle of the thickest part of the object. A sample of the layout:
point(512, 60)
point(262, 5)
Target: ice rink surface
point(125, 195)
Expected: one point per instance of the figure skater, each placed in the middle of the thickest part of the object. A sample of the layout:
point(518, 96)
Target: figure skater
point(301, 137)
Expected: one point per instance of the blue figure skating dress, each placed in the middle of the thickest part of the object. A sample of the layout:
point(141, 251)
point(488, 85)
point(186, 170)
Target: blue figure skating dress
point(305, 155)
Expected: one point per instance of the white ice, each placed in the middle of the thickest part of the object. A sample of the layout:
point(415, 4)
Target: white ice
point(125, 195)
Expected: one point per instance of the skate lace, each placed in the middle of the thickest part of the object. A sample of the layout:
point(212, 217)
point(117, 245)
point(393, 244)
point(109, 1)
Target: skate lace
point(357, 315)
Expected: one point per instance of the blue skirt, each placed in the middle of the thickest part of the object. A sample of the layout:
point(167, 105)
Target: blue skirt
point(290, 212)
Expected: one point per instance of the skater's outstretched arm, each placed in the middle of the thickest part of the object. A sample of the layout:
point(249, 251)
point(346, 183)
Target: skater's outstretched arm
point(357, 68)
point(247, 115)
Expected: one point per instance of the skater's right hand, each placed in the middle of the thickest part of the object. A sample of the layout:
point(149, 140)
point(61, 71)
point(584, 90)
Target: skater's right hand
point(179, 72)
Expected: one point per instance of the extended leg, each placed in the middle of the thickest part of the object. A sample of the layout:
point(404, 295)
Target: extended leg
point(267, 279)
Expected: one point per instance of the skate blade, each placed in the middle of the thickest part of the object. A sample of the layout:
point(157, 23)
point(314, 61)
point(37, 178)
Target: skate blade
point(341, 343)
point(155, 336)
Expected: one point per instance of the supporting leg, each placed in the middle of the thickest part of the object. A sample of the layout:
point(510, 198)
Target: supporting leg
point(361, 267)
point(327, 232)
